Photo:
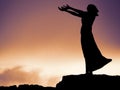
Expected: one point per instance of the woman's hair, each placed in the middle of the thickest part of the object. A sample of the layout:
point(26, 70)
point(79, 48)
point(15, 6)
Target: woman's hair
point(92, 8)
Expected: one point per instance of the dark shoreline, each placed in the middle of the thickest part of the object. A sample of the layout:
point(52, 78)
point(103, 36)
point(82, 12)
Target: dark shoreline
point(76, 82)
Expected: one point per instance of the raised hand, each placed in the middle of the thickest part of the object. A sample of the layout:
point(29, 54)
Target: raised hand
point(64, 7)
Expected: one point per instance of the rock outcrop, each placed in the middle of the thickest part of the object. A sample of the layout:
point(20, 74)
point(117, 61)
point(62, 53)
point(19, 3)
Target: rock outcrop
point(92, 82)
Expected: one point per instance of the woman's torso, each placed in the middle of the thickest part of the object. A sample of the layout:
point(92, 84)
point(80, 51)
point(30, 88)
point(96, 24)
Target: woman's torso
point(87, 22)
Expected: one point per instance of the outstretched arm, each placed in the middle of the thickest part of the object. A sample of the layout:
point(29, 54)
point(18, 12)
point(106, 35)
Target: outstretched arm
point(71, 10)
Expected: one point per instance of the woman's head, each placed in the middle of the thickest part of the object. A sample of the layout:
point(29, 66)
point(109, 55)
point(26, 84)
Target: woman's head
point(92, 9)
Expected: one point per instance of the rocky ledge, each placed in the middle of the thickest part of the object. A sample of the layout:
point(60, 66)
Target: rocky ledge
point(92, 82)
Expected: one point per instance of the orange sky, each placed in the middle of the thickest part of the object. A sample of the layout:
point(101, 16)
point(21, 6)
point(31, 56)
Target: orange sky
point(38, 41)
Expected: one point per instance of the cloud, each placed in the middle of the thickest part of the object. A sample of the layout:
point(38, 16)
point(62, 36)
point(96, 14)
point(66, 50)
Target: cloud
point(17, 76)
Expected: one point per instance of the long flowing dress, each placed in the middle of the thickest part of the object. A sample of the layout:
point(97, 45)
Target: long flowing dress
point(93, 57)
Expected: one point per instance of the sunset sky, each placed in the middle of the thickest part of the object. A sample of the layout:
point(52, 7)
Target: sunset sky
point(39, 44)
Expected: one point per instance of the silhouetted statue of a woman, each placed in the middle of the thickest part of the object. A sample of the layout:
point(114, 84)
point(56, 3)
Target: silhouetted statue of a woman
point(93, 58)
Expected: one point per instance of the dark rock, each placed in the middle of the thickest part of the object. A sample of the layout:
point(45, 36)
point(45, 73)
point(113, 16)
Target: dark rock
point(93, 82)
